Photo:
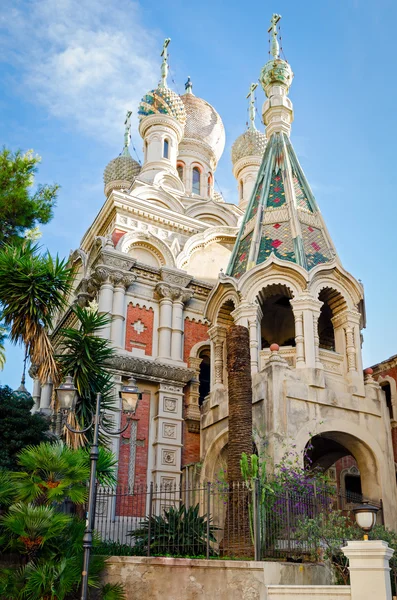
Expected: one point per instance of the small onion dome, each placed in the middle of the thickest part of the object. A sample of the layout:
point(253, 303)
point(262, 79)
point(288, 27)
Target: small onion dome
point(203, 123)
point(276, 71)
point(162, 101)
point(120, 172)
point(251, 143)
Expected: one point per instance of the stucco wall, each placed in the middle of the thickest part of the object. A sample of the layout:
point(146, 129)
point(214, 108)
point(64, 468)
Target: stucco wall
point(189, 579)
point(314, 592)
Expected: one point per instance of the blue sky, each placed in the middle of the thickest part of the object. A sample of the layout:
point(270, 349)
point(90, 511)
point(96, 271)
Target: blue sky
point(71, 68)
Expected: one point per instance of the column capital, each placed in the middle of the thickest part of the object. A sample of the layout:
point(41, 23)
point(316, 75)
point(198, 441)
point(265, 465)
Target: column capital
point(123, 280)
point(174, 293)
point(305, 301)
point(344, 317)
point(217, 333)
point(245, 311)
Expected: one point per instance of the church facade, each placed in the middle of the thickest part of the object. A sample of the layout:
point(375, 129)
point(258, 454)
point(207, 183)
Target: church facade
point(174, 265)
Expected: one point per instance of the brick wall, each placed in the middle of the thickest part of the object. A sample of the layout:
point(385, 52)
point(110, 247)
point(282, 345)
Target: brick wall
point(140, 336)
point(128, 504)
point(391, 372)
point(117, 235)
point(194, 332)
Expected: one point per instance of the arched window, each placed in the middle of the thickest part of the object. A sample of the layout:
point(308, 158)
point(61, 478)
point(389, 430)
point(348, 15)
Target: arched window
point(145, 151)
point(165, 149)
point(205, 375)
point(209, 185)
point(179, 168)
point(196, 181)
point(241, 189)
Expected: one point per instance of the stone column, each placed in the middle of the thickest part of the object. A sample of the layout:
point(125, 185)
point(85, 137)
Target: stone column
point(180, 296)
point(249, 315)
point(306, 311)
point(36, 394)
point(105, 299)
point(192, 410)
point(45, 399)
point(346, 328)
point(369, 569)
point(120, 281)
point(217, 335)
point(165, 324)
point(299, 340)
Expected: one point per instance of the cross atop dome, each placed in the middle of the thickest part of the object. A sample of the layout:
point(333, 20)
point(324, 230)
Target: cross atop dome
point(274, 45)
point(164, 64)
point(251, 109)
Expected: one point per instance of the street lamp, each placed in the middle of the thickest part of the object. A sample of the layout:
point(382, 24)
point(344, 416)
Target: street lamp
point(365, 517)
point(67, 396)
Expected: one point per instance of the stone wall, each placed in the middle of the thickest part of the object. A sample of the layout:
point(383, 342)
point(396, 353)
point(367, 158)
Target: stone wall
point(190, 579)
point(314, 592)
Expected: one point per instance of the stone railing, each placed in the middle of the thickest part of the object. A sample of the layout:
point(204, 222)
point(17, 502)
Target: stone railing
point(331, 361)
point(286, 352)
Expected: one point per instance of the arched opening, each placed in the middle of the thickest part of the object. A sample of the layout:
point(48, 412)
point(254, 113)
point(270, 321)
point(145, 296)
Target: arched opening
point(333, 302)
point(196, 175)
point(146, 254)
point(145, 151)
point(350, 460)
point(385, 385)
point(180, 169)
point(205, 374)
point(166, 148)
point(241, 190)
point(277, 323)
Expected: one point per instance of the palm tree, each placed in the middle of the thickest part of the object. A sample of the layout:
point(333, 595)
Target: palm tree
point(3, 335)
point(86, 356)
point(237, 530)
point(52, 473)
point(29, 527)
point(33, 287)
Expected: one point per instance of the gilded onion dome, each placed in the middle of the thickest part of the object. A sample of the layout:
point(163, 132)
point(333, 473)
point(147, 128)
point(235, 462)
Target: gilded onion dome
point(162, 100)
point(121, 171)
point(203, 123)
point(251, 143)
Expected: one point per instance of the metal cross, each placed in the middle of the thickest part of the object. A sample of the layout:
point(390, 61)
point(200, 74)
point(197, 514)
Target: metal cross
point(251, 109)
point(274, 45)
point(164, 64)
point(127, 132)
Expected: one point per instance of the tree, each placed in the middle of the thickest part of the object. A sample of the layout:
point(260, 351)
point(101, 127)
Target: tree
point(86, 356)
point(18, 427)
point(237, 527)
point(20, 209)
point(33, 287)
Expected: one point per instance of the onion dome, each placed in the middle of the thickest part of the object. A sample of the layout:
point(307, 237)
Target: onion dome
point(251, 143)
point(120, 173)
point(203, 123)
point(162, 101)
point(276, 71)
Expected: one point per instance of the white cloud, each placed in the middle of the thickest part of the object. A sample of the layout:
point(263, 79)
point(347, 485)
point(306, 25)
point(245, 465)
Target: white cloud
point(86, 61)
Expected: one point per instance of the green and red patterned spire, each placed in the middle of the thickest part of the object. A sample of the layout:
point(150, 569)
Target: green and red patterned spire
point(282, 216)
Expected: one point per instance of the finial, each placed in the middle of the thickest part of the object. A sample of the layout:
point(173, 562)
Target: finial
point(127, 133)
point(274, 45)
point(189, 86)
point(251, 108)
point(164, 64)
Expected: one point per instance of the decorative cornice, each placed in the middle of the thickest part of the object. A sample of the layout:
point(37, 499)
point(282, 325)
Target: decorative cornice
point(385, 365)
point(151, 370)
point(246, 161)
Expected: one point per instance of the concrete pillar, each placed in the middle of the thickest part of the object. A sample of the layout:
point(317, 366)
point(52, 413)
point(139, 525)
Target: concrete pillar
point(299, 340)
point(369, 569)
point(306, 311)
point(120, 282)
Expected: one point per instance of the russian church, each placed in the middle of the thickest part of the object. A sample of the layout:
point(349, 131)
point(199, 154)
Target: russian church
point(174, 265)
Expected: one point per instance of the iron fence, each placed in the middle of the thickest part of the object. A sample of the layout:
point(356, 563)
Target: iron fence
point(214, 519)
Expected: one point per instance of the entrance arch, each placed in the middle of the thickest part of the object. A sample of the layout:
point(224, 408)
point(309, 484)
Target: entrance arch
point(327, 448)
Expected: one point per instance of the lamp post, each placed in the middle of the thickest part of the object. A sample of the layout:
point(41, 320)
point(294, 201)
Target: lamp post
point(67, 397)
point(365, 517)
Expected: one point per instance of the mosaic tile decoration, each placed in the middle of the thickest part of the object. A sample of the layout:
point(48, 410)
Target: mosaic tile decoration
point(316, 249)
point(301, 199)
point(276, 238)
point(255, 204)
point(241, 260)
point(276, 195)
